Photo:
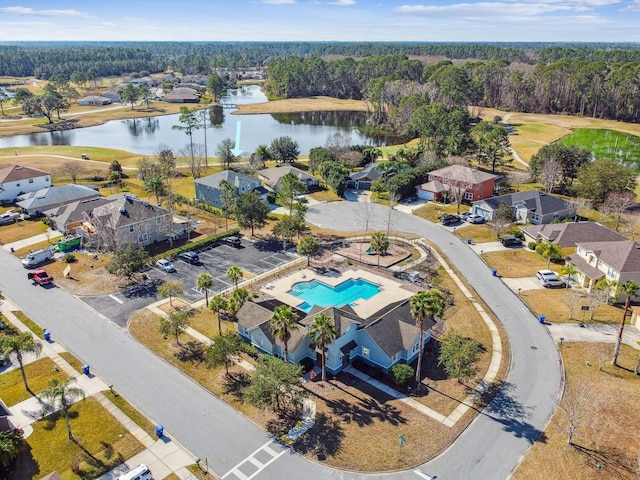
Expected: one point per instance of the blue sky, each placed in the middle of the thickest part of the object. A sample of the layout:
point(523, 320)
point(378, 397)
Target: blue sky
point(339, 20)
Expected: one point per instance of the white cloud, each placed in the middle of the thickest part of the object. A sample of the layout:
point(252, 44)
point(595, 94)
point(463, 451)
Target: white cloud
point(278, 2)
point(134, 19)
point(633, 7)
point(24, 11)
point(482, 10)
point(343, 3)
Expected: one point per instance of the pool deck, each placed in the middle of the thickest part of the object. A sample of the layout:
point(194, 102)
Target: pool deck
point(390, 290)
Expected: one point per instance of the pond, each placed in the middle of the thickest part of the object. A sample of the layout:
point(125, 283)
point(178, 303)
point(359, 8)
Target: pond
point(144, 135)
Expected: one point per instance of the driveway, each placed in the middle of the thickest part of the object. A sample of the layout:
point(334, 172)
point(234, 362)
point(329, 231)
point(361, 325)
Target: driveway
point(253, 257)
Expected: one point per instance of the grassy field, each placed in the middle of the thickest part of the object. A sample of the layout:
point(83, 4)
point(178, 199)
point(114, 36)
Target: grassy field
point(607, 144)
point(433, 211)
point(31, 325)
point(21, 230)
point(516, 263)
point(533, 131)
point(38, 375)
point(97, 449)
point(302, 105)
point(609, 436)
point(550, 302)
point(477, 233)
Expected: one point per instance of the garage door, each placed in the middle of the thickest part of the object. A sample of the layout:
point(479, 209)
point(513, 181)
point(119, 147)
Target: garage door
point(425, 195)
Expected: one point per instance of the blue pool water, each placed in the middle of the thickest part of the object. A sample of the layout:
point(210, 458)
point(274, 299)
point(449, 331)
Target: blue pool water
point(314, 293)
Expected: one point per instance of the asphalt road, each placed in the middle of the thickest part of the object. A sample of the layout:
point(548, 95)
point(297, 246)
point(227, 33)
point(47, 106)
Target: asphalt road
point(488, 449)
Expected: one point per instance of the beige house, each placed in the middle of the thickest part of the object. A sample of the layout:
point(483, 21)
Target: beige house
point(129, 220)
point(613, 261)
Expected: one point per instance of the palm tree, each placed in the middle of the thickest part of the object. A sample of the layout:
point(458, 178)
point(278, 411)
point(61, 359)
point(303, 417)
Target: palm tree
point(205, 282)
point(569, 270)
point(63, 393)
point(18, 345)
point(234, 274)
point(379, 244)
point(322, 332)
point(218, 303)
point(608, 286)
point(425, 304)
point(282, 323)
point(9, 445)
point(549, 250)
point(155, 186)
point(628, 288)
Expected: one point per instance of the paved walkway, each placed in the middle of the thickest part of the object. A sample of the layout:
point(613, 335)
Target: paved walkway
point(594, 332)
point(163, 456)
point(49, 235)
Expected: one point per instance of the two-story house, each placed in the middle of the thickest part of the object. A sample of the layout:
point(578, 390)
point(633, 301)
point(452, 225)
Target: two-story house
point(530, 206)
point(614, 261)
point(473, 184)
point(208, 188)
point(128, 220)
point(16, 180)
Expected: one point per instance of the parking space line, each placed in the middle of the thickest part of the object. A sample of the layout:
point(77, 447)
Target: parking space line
point(116, 298)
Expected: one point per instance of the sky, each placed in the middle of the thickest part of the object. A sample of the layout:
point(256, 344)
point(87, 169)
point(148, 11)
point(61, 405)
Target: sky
point(322, 20)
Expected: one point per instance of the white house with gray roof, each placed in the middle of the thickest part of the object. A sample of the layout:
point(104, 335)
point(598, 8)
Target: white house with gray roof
point(530, 206)
point(16, 180)
point(208, 188)
point(35, 203)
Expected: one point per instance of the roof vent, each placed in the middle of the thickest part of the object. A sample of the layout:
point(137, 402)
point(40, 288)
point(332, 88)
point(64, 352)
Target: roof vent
point(123, 210)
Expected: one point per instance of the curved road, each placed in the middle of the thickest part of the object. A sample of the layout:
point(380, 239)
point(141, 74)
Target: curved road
point(489, 449)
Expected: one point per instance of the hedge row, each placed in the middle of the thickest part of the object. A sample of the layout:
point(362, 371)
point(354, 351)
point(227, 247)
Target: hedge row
point(205, 242)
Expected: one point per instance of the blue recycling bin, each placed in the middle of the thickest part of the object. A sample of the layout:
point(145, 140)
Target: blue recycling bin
point(159, 430)
point(469, 241)
point(86, 369)
point(46, 335)
point(542, 318)
point(494, 272)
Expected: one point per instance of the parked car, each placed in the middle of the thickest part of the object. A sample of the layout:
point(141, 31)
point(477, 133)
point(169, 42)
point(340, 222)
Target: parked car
point(464, 216)
point(190, 257)
point(475, 219)
point(449, 219)
point(40, 277)
point(84, 156)
point(549, 279)
point(233, 241)
point(510, 241)
point(9, 217)
point(165, 265)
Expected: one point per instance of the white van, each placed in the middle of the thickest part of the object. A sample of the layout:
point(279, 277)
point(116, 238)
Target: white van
point(141, 472)
point(37, 257)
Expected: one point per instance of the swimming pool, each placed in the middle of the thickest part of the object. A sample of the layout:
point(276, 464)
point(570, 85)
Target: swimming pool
point(315, 292)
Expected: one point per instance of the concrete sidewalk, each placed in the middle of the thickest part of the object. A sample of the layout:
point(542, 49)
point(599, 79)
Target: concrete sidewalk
point(594, 332)
point(163, 456)
point(49, 235)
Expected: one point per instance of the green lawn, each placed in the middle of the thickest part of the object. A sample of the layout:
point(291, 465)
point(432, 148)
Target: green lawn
point(38, 375)
point(607, 144)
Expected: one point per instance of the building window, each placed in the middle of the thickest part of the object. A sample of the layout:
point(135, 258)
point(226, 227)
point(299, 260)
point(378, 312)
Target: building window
point(158, 220)
point(468, 196)
point(46, 179)
point(130, 228)
point(365, 352)
point(31, 180)
point(17, 184)
point(612, 273)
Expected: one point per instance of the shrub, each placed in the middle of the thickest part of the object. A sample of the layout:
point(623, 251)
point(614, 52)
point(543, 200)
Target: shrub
point(69, 257)
point(189, 247)
point(47, 221)
point(532, 245)
point(402, 373)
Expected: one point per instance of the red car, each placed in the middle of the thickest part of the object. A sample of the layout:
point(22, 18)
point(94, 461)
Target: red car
point(40, 277)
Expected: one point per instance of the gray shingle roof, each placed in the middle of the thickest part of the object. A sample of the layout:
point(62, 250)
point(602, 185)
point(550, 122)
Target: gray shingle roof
point(569, 233)
point(44, 198)
point(274, 175)
point(622, 256)
point(73, 212)
point(464, 174)
point(535, 201)
point(369, 172)
point(236, 179)
point(128, 210)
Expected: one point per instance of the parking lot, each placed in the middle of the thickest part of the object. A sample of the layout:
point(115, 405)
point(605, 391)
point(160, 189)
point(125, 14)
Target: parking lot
point(253, 257)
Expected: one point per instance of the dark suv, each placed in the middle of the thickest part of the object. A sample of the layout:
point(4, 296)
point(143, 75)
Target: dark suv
point(511, 241)
point(449, 219)
point(233, 241)
point(190, 257)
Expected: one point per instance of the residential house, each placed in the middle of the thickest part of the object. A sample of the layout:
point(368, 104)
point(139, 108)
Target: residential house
point(272, 177)
point(363, 179)
point(95, 100)
point(182, 95)
point(69, 217)
point(530, 206)
point(208, 188)
point(35, 203)
point(384, 339)
point(112, 95)
point(568, 234)
point(614, 261)
point(16, 180)
point(5, 422)
point(128, 220)
point(475, 184)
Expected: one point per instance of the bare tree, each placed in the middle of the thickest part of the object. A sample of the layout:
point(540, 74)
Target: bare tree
point(459, 186)
point(500, 225)
point(581, 207)
point(196, 161)
point(73, 169)
point(338, 144)
point(517, 178)
point(572, 300)
point(632, 221)
point(550, 174)
point(577, 405)
point(352, 159)
point(596, 298)
point(616, 204)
